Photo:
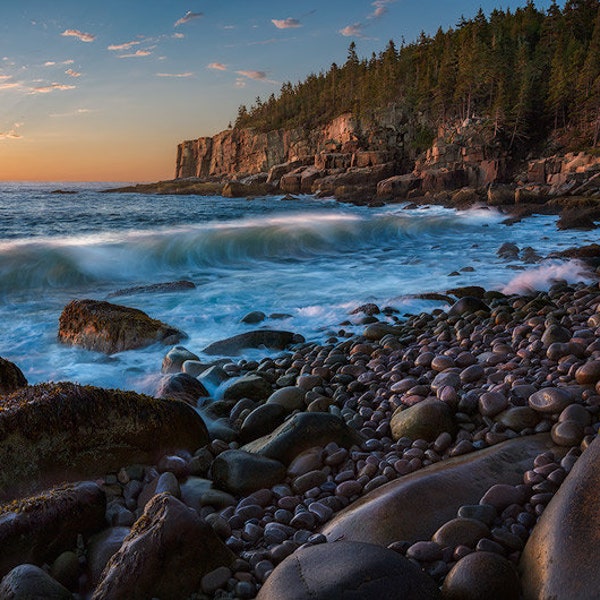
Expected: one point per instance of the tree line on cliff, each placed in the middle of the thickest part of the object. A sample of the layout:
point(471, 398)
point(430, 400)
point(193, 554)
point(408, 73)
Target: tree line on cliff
point(529, 72)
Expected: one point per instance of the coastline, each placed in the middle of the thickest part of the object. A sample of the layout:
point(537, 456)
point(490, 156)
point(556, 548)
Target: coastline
point(499, 369)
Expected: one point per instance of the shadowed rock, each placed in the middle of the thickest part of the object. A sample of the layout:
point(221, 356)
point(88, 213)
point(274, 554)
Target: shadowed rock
point(11, 377)
point(62, 431)
point(154, 288)
point(109, 328)
point(347, 571)
point(269, 338)
point(37, 529)
point(414, 507)
point(168, 551)
point(303, 431)
point(560, 559)
point(28, 582)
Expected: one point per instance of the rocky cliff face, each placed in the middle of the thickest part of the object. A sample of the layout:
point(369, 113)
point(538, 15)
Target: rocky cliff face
point(236, 153)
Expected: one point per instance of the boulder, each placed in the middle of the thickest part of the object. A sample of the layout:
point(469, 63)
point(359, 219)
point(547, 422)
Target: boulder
point(181, 387)
point(109, 328)
point(500, 195)
point(237, 189)
point(28, 582)
point(414, 507)
point(56, 432)
point(302, 431)
point(425, 420)
point(11, 377)
point(397, 186)
point(290, 397)
point(168, 551)
point(37, 529)
point(441, 180)
point(101, 548)
point(268, 338)
point(261, 421)
point(174, 359)
point(248, 386)
point(560, 558)
point(242, 473)
point(347, 571)
point(467, 304)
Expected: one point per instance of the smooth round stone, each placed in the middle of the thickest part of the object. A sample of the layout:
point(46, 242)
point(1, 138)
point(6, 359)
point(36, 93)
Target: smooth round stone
point(303, 520)
point(588, 373)
point(518, 418)
point(501, 495)
point(28, 582)
point(576, 412)
point(492, 403)
point(472, 373)
point(482, 512)
point(468, 304)
point(348, 488)
point(310, 460)
point(425, 420)
point(254, 317)
point(555, 333)
point(482, 576)
point(425, 551)
point(308, 480)
point(290, 397)
point(347, 570)
point(216, 579)
point(550, 400)
point(167, 482)
point(175, 357)
point(66, 569)
point(567, 433)
point(262, 421)
point(449, 378)
point(460, 532)
point(441, 363)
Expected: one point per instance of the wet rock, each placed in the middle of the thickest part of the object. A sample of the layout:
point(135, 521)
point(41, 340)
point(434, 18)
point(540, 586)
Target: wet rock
point(425, 420)
point(109, 328)
point(555, 334)
point(508, 251)
point(174, 359)
point(466, 305)
point(267, 338)
point(302, 431)
point(290, 397)
point(39, 528)
point(248, 386)
point(101, 548)
point(254, 317)
point(413, 507)
point(518, 418)
point(345, 570)
point(560, 558)
point(181, 387)
point(550, 400)
point(588, 373)
point(262, 421)
point(63, 431)
point(482, 576)
point(154, 288)
point(461, 531)
point(168, 551)
point(242, 473)
point(11, 377)
point(567, 433)
point(28, 582)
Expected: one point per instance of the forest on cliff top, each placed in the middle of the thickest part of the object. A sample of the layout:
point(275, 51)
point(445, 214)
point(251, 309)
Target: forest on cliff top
point(531, 73)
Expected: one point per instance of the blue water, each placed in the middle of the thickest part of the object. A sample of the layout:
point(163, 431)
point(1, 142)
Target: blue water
point(313, 259)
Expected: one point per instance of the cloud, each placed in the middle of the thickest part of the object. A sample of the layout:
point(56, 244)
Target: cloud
point(240, 83)
point(136, 54)
point(256, 75)
point(12, 133)
point(53, 63)
point(82, 37)
point(353, 30)
point(5, 77)
point(74, 113)
point(73, 73)
point(217, 66)
point(121, 47)
point(186, 74)
point(380, 8)
point(189, 16)
point(178, 36)
point(53, 87)
point(11, 85)
point(288, 23)
point(49, 63)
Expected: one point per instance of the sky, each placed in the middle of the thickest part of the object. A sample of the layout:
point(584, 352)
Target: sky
point(105, 90)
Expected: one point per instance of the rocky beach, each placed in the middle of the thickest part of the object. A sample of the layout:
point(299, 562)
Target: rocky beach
point(448, 455)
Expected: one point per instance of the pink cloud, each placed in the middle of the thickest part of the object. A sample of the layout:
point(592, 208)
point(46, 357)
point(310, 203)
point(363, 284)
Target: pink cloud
point(80, 35)
point(288, 23)
point(217, 66)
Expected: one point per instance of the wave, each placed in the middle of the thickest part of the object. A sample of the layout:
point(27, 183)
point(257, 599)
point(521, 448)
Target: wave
point(544, 276)
point(142, 256)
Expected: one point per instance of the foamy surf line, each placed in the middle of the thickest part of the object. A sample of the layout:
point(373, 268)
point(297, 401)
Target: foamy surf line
point(543, 277)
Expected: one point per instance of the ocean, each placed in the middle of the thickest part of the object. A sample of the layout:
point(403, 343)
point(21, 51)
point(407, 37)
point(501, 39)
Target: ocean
point(311, 259)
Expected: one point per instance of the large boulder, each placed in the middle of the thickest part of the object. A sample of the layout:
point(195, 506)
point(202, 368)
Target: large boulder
point(37, 529)
point(11, 377)
point(425, 420)
point(28, 582)
point(414, 507)
point(268, 338)
point(347, 571)
point(109, 328)
point(168, 551)
point(398, 186)
point(303, 431)
point(560, 559)
point(63, 431)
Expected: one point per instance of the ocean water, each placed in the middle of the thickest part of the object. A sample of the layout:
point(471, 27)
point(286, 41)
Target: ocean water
point(314, 260)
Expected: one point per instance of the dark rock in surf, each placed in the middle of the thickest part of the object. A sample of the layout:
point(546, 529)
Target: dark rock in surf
point(63, 431)
point(268, 338)
point(28, 582)
point(262, 421)
point(37, 529)
point(468, 304)
point(346, 570)
point(155, 288)
point(174, 359)
point(181, 387)
point(248, 386)
point(109, 328)
point(11, 377)
point(168, 551)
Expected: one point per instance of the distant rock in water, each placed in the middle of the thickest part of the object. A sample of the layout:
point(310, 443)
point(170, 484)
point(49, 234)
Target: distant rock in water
point(57, 432)
point(169, 286)
point(269, 338)
point(105, 327)
point(11, 377)
point(64, 192)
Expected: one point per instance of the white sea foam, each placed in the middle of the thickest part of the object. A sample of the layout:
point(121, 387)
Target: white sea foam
point(542, 277)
